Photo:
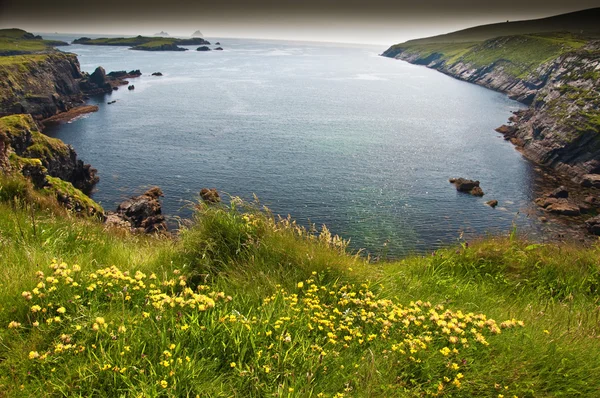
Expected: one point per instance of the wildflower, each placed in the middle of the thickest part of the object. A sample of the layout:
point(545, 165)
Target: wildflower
point(300, 285)
point(100, 320)
point(61, 310)
point(172, 347)
point(290, 389)
point(26, 295)
point(164, 384)
point(267, 369)
point(36, 324)
point(14, 325)
point(36, 308)
point(33, 355)
point(95, 327)
point(122, 329)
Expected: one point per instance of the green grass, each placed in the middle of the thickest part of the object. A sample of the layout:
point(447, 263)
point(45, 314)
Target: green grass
point(274, 310)
point(519, 55)
point(17, 41)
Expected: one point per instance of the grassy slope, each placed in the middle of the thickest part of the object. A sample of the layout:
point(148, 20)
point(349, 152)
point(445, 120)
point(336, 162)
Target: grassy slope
point(19, 41)
point(580, 22)
point(132, 334)
point(521, 54)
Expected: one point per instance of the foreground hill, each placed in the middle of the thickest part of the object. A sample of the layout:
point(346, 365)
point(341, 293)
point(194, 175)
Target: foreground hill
point(557, 74)
point(245, 304)
point(19, 42)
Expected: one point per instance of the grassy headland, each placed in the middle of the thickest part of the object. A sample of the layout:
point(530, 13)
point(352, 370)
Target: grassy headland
point(245, 304)
point(18, 42)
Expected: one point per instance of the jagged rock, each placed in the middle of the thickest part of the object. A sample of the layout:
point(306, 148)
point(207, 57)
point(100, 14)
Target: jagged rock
point(593, 225)
point(144, 212)
point(469, 186)
point(592, 200)
point(492, 203)
point(563, 207)
point(157, 74)
point(203, 48)
point(545, 201)
point(591, 180)
point(560, 192)
point(131, 87)
point(210, 195)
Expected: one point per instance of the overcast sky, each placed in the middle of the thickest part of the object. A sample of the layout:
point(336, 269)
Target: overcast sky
point(374, 21)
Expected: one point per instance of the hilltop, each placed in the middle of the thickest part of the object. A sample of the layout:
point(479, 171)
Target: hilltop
point(584, 23)
point(20, 42)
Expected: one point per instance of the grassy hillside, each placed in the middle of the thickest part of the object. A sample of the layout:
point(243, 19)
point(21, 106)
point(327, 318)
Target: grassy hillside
point(520, 54)
point(17, 41)
point(584, 22)
point(244, 304)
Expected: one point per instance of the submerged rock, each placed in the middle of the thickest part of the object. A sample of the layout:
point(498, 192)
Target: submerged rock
point(210, 195)
point(468, 186)
point(144, 212)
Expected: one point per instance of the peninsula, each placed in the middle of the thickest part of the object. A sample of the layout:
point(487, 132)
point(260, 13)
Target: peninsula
point(144, 43)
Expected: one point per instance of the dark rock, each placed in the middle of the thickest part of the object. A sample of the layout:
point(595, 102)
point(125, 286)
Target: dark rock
point(593, 225)
point(560, 192)
point(37, 173)
point(203, 48)
point(98, 77)
point(111, 102)
point(144, 212)
point(131, 87)
point(591, 180)
point(492, 203)
point(219, 49)
point(217, 44)
point(468, 186)
point(210, 195)
point(157, 74)
point(584, 208)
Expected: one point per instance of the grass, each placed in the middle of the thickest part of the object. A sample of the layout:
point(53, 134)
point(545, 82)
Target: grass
point(17, 41)
point(520, 55)
point(246, 304)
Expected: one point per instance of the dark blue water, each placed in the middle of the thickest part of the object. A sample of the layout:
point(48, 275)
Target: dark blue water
point(328, 133)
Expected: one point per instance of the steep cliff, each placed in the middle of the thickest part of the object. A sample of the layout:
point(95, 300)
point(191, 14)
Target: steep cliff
point(21, 139)
point(556, 74)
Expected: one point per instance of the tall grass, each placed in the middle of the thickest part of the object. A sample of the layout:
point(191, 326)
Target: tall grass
point(243, 303)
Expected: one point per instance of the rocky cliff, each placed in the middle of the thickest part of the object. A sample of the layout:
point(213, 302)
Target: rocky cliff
point(39, 84)
point(22, 140)
point(558, 75)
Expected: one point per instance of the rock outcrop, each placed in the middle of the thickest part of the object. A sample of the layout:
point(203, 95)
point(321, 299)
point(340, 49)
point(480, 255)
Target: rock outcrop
point(141, 213)
point(203, 48)
point(468, 186)
point(210, 195)
point(23, 139)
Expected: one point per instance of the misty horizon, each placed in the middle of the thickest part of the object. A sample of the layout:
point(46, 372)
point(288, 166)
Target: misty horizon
point(381, 23)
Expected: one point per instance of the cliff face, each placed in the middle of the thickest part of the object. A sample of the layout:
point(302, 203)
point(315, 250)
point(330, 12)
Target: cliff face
point(39, 84)
point(557, 76)
point(21, 139)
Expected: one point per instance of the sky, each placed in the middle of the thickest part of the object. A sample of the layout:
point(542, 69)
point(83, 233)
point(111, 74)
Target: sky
point(349, 21)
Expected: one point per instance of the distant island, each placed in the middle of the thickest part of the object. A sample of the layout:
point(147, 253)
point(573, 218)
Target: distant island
point(197, 34)
point(162, 33)
point(144, 43)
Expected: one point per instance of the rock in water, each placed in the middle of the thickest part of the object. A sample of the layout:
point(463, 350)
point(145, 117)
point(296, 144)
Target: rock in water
point(98, 77)
point(131, 87)
point(210, 195)
point(203, 48)
point(492, 203)
point(468, 186)
point(144, 212)
point(157, 74)
point(219, 49)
